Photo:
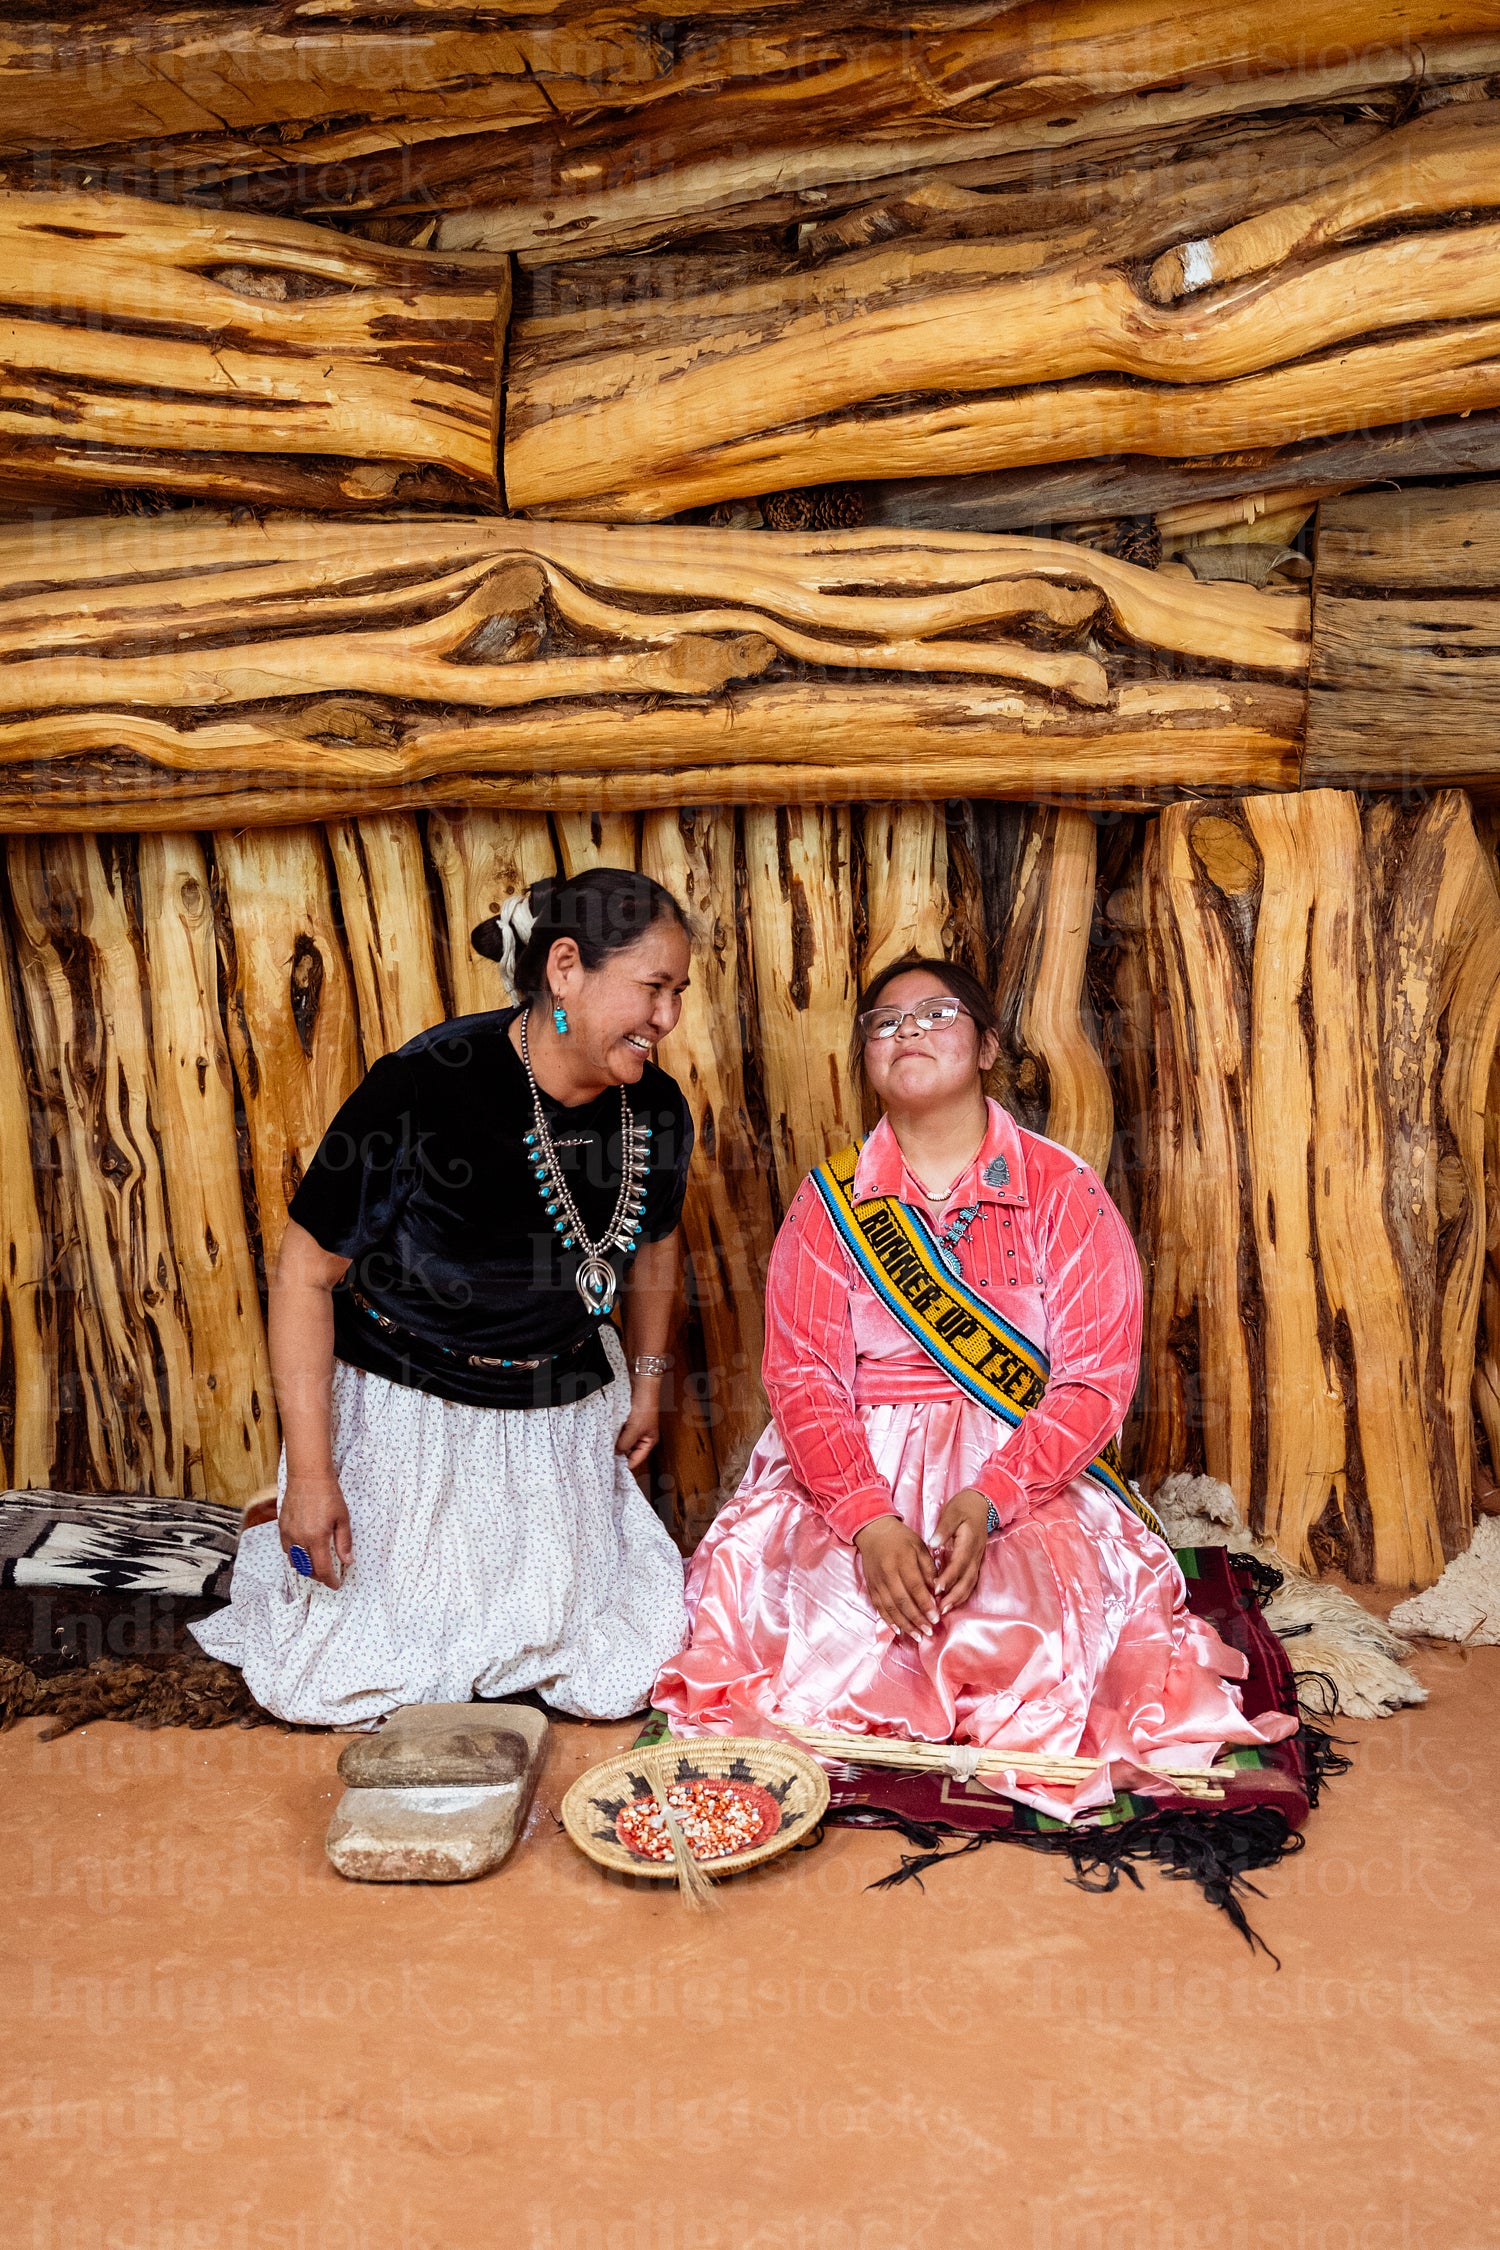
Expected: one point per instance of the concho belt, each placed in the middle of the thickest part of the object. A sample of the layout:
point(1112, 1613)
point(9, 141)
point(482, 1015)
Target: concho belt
point(470, 1359)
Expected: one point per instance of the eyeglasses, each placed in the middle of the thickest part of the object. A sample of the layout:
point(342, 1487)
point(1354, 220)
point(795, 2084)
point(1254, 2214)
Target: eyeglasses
point(928, 1015)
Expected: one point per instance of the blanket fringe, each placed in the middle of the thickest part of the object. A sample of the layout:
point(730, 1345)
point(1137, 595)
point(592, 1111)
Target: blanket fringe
point(1217, 1851)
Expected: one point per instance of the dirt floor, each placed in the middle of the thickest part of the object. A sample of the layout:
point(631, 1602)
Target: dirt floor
point(213, 2043)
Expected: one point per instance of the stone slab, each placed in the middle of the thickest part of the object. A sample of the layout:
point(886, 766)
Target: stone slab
point(448, 1744)
point(438, 1795)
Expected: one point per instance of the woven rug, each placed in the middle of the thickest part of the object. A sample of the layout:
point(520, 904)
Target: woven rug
point(116, 1544)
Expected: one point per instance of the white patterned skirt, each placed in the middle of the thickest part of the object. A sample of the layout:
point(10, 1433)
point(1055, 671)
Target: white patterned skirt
point(494, 1551)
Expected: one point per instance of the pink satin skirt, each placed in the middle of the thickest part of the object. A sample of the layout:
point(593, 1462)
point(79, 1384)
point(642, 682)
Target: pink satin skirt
point(1076, 1639)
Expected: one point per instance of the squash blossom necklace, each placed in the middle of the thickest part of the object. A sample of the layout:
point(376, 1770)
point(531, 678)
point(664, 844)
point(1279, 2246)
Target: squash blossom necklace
point(595, 1280)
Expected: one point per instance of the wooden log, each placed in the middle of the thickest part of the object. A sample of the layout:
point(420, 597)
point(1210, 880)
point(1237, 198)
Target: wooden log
point(482, 859)
point(230, 357)
point(802, 921)
point(630, 417)
point(78, 931)
point(324, 668)
point(233, 1402)
point(1118, 769)
point(28, 1306)
point(1134, 484)
point(290, 1005)
point(1405, 676)
point(1437, 165)
point(729, 1219)
point(383, 902)
point(1049, 1065)
point(1327, 993)
point(595, 839)
point(906, 884)
point(545, 124)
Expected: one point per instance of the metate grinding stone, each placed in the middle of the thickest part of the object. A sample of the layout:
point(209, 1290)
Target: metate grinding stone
point(438, 1795)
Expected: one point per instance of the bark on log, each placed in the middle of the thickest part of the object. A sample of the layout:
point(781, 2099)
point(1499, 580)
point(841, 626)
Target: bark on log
point(1327, 996)
point(226, 357)
point(545, 124)
point(28, 1310)
point(79, 940)
point(317, 668)
point(290, 1006)
point(1049, 1058)
point(382, 885)
point(232, 1400)
point(802, 922)
point(640, 413)
point(728, 1219)
point(482, 859)
point(1405, 675)
point(1133, 484)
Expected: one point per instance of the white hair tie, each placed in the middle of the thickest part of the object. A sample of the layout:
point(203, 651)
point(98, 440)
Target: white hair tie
point(516, 922)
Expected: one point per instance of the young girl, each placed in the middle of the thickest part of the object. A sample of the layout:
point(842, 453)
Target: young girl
point(927, 1542)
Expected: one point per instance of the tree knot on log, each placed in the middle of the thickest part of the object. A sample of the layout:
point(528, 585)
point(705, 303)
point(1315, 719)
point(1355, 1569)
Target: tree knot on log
point(305, 990)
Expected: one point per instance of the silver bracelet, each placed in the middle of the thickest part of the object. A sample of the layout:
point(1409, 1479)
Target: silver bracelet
point(650, 1363)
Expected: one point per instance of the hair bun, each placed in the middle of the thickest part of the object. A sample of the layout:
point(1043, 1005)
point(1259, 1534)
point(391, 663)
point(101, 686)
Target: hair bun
point(503, 937)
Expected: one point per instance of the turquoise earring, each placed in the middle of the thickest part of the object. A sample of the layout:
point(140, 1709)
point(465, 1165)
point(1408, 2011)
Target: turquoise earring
point(559, 1019)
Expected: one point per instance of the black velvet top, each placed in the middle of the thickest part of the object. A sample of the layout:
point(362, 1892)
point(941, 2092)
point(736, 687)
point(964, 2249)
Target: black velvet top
point(422, 1181)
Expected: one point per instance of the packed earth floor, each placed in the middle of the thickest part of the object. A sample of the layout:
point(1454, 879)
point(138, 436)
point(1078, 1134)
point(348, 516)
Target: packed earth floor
point(214, 2043)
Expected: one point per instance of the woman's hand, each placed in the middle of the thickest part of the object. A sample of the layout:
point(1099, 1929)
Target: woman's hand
point(962, 1533)
point(898, 1575)
point(313, 1516)
point(643, 1422)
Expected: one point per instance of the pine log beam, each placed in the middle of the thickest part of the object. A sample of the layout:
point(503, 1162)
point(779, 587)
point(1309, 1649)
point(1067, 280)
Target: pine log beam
point(1135, 485)
point(28, 1229)
point(290, 1005)
point(729, 1217)
point(482, 859)
point(1325, 995)
point(223, 356)
point(801, 884)
point(580, 125)
point(296, 670)
point(232, 1397)
point(1405, 679)
point(382, 887)
point(637, 411)
point(127, 1384)
point(1049, 1061)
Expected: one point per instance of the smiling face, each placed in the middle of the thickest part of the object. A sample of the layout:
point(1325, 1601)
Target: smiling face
point(918, 1072)
point(618, 1012)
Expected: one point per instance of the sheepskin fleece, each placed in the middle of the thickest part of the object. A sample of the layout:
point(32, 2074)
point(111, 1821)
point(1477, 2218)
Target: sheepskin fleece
point(1350, 1662)
point(1464, 1605)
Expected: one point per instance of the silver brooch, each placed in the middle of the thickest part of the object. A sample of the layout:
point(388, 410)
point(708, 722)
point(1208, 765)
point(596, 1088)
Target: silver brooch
point(996, 1172)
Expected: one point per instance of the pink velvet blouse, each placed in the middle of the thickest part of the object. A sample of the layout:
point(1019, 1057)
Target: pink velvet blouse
point(1047, 1248)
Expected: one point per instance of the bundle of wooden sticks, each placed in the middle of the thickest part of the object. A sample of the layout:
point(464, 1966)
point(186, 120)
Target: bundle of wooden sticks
point(936, 1757)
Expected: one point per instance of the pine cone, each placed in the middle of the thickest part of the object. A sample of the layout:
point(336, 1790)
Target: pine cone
point(1135, 539)
point(815, 507)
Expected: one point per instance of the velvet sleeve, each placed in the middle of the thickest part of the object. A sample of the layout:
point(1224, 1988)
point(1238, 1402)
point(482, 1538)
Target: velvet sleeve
point(1092, 1290)
point(671, 1150)
point(363, 1168)
point(809, 1370)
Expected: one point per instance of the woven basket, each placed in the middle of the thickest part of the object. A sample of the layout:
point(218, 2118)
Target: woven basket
point(796, 1780)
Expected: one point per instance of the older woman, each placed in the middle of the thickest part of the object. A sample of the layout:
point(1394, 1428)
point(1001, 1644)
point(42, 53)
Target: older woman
point(933, 1538)
point(457, 1512)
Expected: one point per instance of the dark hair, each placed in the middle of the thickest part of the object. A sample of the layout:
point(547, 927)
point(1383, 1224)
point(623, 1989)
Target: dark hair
point(604, 911)
point(954, 978)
